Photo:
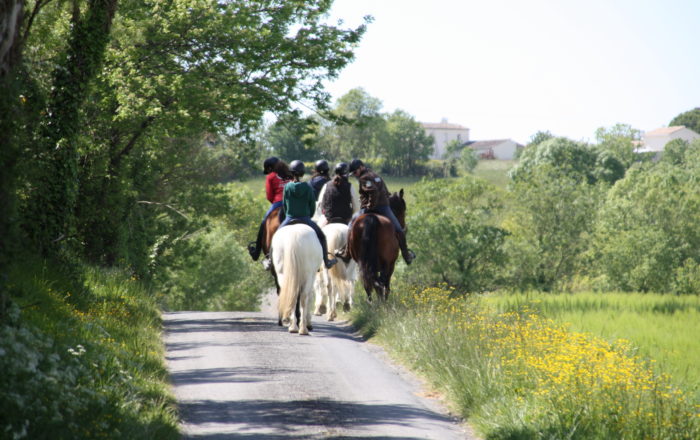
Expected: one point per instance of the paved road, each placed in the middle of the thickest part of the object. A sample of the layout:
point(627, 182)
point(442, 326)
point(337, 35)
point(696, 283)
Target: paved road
point(239, 375)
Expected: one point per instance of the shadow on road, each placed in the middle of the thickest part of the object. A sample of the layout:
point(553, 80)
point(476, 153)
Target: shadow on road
point(286, 419)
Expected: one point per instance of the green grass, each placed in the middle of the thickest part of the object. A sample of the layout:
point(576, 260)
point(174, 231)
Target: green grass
point(519, 375)
point(663, 328)
point(83, 359)
point(494, 171)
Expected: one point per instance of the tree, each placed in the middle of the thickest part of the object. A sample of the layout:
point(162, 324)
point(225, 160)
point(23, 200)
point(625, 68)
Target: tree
point(358, 126)
point(405, 144)
point(453, 230)
point(169, 79)
point(619, 141)
point(689, 119)
point(567, 158)
point(553, 214)
point(646, 238)
point(293, 137)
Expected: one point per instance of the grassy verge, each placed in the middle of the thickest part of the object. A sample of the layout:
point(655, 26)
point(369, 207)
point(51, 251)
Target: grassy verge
point(82, 361)
point(518, 375)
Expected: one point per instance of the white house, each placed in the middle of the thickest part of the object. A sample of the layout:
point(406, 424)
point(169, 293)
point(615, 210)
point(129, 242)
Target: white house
point(503, 149)
point(444, 132)
point(656, 140)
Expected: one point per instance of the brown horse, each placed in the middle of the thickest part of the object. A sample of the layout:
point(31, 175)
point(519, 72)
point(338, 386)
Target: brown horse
point(373, 244)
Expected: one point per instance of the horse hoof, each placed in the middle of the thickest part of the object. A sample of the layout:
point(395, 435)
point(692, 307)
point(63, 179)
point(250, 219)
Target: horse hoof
point(346, 307)
point(304, 332)
point(310, 327)
point(293, 330)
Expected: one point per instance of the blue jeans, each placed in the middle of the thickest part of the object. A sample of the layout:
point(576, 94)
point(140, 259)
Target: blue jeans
point(384, 210)
point(272, 208)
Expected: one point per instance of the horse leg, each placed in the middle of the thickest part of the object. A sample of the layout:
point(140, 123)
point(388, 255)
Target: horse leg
point(320, 294)
point(332, 288)
point(294, 324)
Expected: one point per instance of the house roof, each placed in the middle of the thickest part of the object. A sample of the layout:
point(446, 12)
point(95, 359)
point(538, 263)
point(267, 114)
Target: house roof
point(664, 131)
point(443, 126)
point(483, 145)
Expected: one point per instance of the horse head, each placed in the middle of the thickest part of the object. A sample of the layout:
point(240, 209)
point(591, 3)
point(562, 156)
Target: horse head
point(398, 206)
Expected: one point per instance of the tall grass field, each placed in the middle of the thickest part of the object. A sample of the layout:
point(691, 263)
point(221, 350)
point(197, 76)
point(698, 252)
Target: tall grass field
point(662, 328)
point(515, 373)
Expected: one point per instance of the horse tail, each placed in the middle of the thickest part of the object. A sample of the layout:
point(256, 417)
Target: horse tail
point(291, 282)
point(369, 258)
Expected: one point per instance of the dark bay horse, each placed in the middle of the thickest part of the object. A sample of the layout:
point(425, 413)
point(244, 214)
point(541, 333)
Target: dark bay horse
point(372, 242)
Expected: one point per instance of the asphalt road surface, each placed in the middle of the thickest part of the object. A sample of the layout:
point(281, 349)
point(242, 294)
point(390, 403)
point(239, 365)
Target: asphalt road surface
point(238, 375)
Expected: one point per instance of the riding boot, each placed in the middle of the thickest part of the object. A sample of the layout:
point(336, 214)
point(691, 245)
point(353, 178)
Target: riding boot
point(324, 248)
point(407, 254)
point(255, 247)
point(343, 253)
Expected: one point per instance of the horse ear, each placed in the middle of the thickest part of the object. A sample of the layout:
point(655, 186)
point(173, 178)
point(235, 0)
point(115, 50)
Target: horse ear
point(401, 193)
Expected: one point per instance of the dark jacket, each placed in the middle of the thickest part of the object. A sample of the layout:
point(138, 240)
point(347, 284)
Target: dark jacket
point(337, 200)
point(299, 199)
point(317, 183)
point(373, 191)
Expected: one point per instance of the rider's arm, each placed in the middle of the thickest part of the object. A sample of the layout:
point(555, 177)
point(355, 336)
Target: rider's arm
point(355, 199)
point(269, 189)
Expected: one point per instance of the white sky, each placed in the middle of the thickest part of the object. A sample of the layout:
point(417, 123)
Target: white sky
point(508, 68)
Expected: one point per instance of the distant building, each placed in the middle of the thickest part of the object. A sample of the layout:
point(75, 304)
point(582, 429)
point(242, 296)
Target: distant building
point(443, 132)
point(502, 149)
point(654, 141)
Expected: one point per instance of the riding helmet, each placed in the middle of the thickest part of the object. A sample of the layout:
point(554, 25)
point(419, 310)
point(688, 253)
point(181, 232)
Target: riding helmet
point(269, 164)
point(354, 165)
point(321, 166)
point(341, 169)
point(297, 168)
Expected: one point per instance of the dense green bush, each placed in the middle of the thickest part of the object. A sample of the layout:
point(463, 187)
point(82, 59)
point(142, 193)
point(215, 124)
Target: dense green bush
point(452, 227)
point(217, 274)
point(647, 237)
point(550, 221)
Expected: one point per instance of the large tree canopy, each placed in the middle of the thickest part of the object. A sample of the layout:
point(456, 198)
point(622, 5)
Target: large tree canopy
point(124, 102)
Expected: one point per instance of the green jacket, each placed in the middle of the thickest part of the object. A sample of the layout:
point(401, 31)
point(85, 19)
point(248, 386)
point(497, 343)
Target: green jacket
point(299, 200)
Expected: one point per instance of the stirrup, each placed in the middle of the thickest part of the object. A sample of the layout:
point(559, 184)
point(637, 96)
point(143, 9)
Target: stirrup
point(330, 263)
point(343, 255)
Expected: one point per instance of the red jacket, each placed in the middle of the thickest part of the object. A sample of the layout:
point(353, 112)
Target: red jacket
point(274, 187)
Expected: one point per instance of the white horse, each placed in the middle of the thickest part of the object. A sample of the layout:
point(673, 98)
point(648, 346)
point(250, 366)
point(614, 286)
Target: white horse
point(335, 284)
point(296, 255)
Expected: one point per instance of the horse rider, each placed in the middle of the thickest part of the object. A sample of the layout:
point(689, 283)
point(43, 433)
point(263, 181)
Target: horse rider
point(374, 198)
point(278, 175)
point(299, 205)
point(320, 177)
point(338, 200)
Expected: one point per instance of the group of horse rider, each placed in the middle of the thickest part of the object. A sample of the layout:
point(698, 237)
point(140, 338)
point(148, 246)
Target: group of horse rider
point(326, 200)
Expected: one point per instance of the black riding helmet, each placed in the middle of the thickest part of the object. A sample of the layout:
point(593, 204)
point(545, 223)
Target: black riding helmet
point(341, 168)
point(269, 164)
point(354, 165)
point(297, 168)
point(321, 166)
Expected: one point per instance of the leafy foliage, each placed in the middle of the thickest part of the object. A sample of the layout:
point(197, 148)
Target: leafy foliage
point(452, 228)
point(550, 222)
point(646, 235)
point(689, 119)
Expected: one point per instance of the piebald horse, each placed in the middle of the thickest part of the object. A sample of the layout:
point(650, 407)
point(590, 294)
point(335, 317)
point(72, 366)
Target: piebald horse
point(372, 242)
point(296, 256)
